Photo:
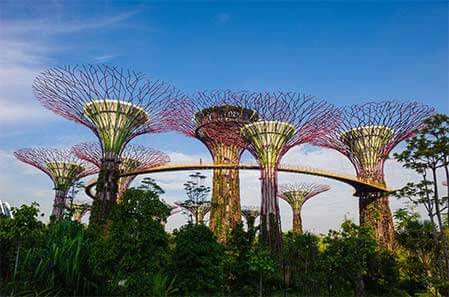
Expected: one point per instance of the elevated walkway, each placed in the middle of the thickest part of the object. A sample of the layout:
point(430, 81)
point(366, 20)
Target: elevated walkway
point(360, 185)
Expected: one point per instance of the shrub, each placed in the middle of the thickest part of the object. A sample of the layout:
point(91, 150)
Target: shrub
point(197, 261)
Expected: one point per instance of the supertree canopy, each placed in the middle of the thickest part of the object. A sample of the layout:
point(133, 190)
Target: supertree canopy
point(198, 210)
point(116, 104)
point(215, 118)
point(62, 166)
point(285, 120)
point(366, 135)
point(250, 213)
point(296, 195)
point(79, 209)
point(132, 158)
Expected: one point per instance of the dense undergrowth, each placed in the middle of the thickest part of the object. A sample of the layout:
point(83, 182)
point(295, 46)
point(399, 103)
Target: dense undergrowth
point(138, 258)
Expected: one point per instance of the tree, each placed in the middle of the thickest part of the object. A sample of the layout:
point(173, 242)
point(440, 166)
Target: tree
point(197, 261)
point(150, 184)
point(135, 248)
point(420, 260)
point(428, 154)
point(239, 279)
point(303, 264)
point(262, 262)
point(346, 258)
point(17, 234)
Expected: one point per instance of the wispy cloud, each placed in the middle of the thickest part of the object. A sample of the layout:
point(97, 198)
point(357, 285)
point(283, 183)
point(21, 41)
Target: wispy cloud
point(54, 26)
point(104, 58)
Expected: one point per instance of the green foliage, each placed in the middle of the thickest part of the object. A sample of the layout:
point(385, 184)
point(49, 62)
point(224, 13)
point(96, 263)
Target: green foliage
point(150, 184)
point(417, 257)
point(346, 258)
point(239, 280)
point(162, 286)
point(428, 154)
point(18, 234)
point(135, 249)
point(58, 266)
point(197, 261)
point(261, 261)
point(303, 264)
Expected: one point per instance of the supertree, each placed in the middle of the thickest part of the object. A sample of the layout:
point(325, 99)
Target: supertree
point(250, 213)
point(116, 104)
point(79, 209)
point(366, 135)
point(62, 166)
point(215, 118)
point(285, 120)
point(131, 159)
point(296, 195)
point(197, 210)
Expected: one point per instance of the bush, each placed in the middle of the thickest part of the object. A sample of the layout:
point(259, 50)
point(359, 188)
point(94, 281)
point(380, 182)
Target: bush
point(17, 235)
point(346, 258)
point(135, 248)
point(239, 280)
point(303, 264)
point(197, 261)
point(60, 265)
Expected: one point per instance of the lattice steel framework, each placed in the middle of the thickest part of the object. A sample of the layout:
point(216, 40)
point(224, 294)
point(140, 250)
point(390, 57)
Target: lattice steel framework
point(215, 118)
point(296, 195)
point(366, 135)
point(133, 158)
point(115, 103)
point(62, 166)
point(198, 210)
point(285, 120)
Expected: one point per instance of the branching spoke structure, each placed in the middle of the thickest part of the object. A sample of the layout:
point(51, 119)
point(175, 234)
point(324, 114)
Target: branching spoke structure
point(62, 166)
point(296, 195)
point(116, 104)
point(133, 158)
point(215, 118)
point(285, 120)
point(366, 135)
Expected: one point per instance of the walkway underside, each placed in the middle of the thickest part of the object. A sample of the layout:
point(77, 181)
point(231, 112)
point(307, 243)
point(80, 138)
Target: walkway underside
point(357, 183)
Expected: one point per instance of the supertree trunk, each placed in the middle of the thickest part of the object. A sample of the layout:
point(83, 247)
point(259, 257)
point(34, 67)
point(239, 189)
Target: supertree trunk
point(59, 204)
point(270, 220)
point(375, 213)
point(107, 189)
point(225, 213)
point(297, 222)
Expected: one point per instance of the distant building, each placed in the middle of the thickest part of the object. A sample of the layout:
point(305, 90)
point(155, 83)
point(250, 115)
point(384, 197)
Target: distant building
point(5, 209)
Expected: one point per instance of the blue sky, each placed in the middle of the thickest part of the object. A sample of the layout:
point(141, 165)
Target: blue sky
point(344, 52)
